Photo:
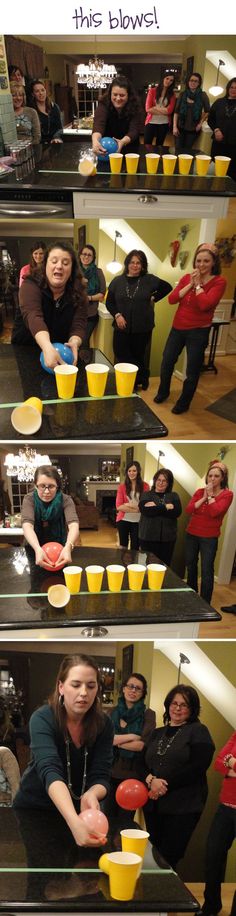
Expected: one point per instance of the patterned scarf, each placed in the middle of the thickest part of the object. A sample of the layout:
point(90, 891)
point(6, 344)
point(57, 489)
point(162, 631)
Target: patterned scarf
point(49, 519)
point(196, 107)
point(91, 274)
point(134, 719)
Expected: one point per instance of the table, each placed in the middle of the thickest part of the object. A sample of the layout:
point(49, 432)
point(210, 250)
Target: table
point(107, 418)
point(43, 869)
point(215, 327)
point(176, 610)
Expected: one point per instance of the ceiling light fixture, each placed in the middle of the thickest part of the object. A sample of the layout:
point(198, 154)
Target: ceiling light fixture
point(96, 74)
point(115, 266)
point(216, 89)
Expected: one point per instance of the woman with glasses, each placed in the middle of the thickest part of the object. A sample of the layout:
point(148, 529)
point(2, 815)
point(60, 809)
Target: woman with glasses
point(133, 723)
point(159, 511)
point(191, 111)
point(71, 750)
point(49, 515)
point(95, 287)
point(177, 757)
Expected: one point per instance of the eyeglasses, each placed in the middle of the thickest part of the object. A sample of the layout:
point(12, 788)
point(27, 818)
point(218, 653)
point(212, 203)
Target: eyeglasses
point(133, 687)
point(46, 486)
point(193, 80)
point(179, 705)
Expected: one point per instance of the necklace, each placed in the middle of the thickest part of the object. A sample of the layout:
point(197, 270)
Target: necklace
point(130, 292)
point(230, 109)
point(166, 741)
point(68, 768)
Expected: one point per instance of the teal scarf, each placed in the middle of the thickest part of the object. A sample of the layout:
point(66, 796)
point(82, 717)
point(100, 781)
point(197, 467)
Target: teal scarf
point(196, 107)
point(91, 274)
point(134, 719)
point(49, 523)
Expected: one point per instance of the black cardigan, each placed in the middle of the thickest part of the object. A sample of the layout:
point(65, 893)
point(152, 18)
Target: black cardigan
point(157, 523)
point(138, 311)
point(183, 766)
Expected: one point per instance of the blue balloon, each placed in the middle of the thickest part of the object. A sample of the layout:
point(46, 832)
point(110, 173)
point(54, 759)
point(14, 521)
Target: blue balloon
point(110, 145)
point(65, 353)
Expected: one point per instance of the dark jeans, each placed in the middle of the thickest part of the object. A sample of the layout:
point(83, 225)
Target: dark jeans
point(91, 324)
point(170, 833)
point(195, 341)
point(185, 140)
point(220, 839)
point(207, 548)
point(158, 131)
point(125, 529)
point(133, 348)
point(161, 549)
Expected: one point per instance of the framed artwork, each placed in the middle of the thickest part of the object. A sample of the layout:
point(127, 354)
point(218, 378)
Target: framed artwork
point(81, 237)
point(190, 66)
point(127, 662)
point(129, 454)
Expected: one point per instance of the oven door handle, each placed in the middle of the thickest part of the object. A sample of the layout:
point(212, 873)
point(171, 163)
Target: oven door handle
point(9, 211)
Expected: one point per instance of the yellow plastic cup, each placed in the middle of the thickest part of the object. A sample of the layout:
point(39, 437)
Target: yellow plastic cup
point(27, 418)
point(136, 573)
point(58, 595)
point(156, 572)
point(134, 841)
point(116, 160)
point(124, 870)
point(115, 575)
point(152, 161)
point(202, 165)
point(221, 166)
point(132, 161)
point(73, 578)
point(97, 378)
point(125, 378)
point(94, 577)
point(66, 381)
point(185, 162)
point(168, 164)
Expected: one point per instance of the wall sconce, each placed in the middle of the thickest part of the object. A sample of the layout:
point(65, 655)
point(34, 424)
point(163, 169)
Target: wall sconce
point(216, 89)
point(114, 266)
point(183, 660)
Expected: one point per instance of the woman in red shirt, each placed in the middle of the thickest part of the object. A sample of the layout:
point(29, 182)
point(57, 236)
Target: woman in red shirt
point(222, 830)
point(207, 509)
point(197, 295)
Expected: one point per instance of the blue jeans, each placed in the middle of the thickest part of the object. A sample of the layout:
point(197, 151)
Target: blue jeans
point(207, 548)
point(195, 341)
point(220, 839)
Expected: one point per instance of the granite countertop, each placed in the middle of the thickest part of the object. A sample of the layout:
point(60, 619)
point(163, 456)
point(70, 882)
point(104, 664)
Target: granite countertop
point(24, 602)
point(43, 870)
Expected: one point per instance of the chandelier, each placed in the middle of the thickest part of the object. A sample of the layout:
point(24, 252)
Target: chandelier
point(96, 74)
point(23, 465)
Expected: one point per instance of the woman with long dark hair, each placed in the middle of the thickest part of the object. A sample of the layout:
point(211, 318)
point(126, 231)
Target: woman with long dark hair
point(197, 294)
point(159, 510)
point(48, 112)
point(177, 757)
point(191, 111)
point(53, 306)
point(36, 259)
point(95, 287)
point(160, 105)
point(48, 514)
point(222, 120)
point(71, 746)
point(133, 723)
point(118, 115)
point(127, 503)
point(130, 299)
point(207, 509)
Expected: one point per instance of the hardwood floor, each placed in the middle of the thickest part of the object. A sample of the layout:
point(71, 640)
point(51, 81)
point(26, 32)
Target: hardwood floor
point(227, 891)
point(197, 423)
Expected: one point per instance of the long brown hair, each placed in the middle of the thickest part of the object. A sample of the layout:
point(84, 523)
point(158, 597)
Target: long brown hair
point(139, 481)
point(93, 721)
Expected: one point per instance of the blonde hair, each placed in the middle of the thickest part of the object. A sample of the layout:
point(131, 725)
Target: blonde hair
point(18, 87)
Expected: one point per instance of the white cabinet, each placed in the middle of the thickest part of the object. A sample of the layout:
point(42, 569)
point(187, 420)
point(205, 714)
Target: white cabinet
point(131, 631)
point(147, 206)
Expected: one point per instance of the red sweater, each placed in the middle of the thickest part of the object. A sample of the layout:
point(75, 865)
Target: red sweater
point(196, 311)
point(122, 497)
point(206, 521)
point(152, 100)
point(228, 789)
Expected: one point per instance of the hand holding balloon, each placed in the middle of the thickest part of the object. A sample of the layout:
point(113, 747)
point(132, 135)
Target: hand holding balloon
point(109, 145)
point(97, 825)
point(64, 354)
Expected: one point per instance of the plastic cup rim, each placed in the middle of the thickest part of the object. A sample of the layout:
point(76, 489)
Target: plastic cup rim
point(97, 369)
point(33, 411)
point(133, 834)
point(156, 567)
point(65, 369)
point(115, 567)
point(65, 592)
point(124, 858)
point(125, 367)
point(94, 569)
point(73, 570)
point(137, 567)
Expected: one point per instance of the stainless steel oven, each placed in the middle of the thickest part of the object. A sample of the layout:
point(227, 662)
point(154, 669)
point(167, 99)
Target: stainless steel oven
point(20, 203)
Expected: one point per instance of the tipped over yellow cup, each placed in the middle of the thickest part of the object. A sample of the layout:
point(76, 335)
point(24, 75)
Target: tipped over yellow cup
point(58, 595)
point(27, 418)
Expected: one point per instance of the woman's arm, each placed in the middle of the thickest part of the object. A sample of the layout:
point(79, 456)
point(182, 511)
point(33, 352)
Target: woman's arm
point(197, 500)
point(229, 750)
point(31, 537)
point(221, 505)
point(61, 798)
point(72, 537)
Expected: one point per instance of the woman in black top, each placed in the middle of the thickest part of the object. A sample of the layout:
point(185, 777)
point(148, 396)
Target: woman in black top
point(71, 744)
point(222, 120)
point(191, 111)
point(177, 757)
point(48, 112)
point(160, 509)
point(118, 115)
point(130, 299)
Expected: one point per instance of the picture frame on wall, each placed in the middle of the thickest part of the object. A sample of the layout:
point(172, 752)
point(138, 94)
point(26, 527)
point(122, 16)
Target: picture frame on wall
point(81, 237)
point(189, 66)
point(127, 662)
point(129, 454)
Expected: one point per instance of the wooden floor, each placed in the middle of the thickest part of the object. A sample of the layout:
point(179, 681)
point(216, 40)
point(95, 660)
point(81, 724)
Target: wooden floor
point(197, 423)
point(227, 891)
point(223, 594)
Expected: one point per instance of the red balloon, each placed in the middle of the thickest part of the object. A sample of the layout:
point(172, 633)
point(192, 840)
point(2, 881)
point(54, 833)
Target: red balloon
point(131, 794)
point(53, 550)
point(95, 820)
